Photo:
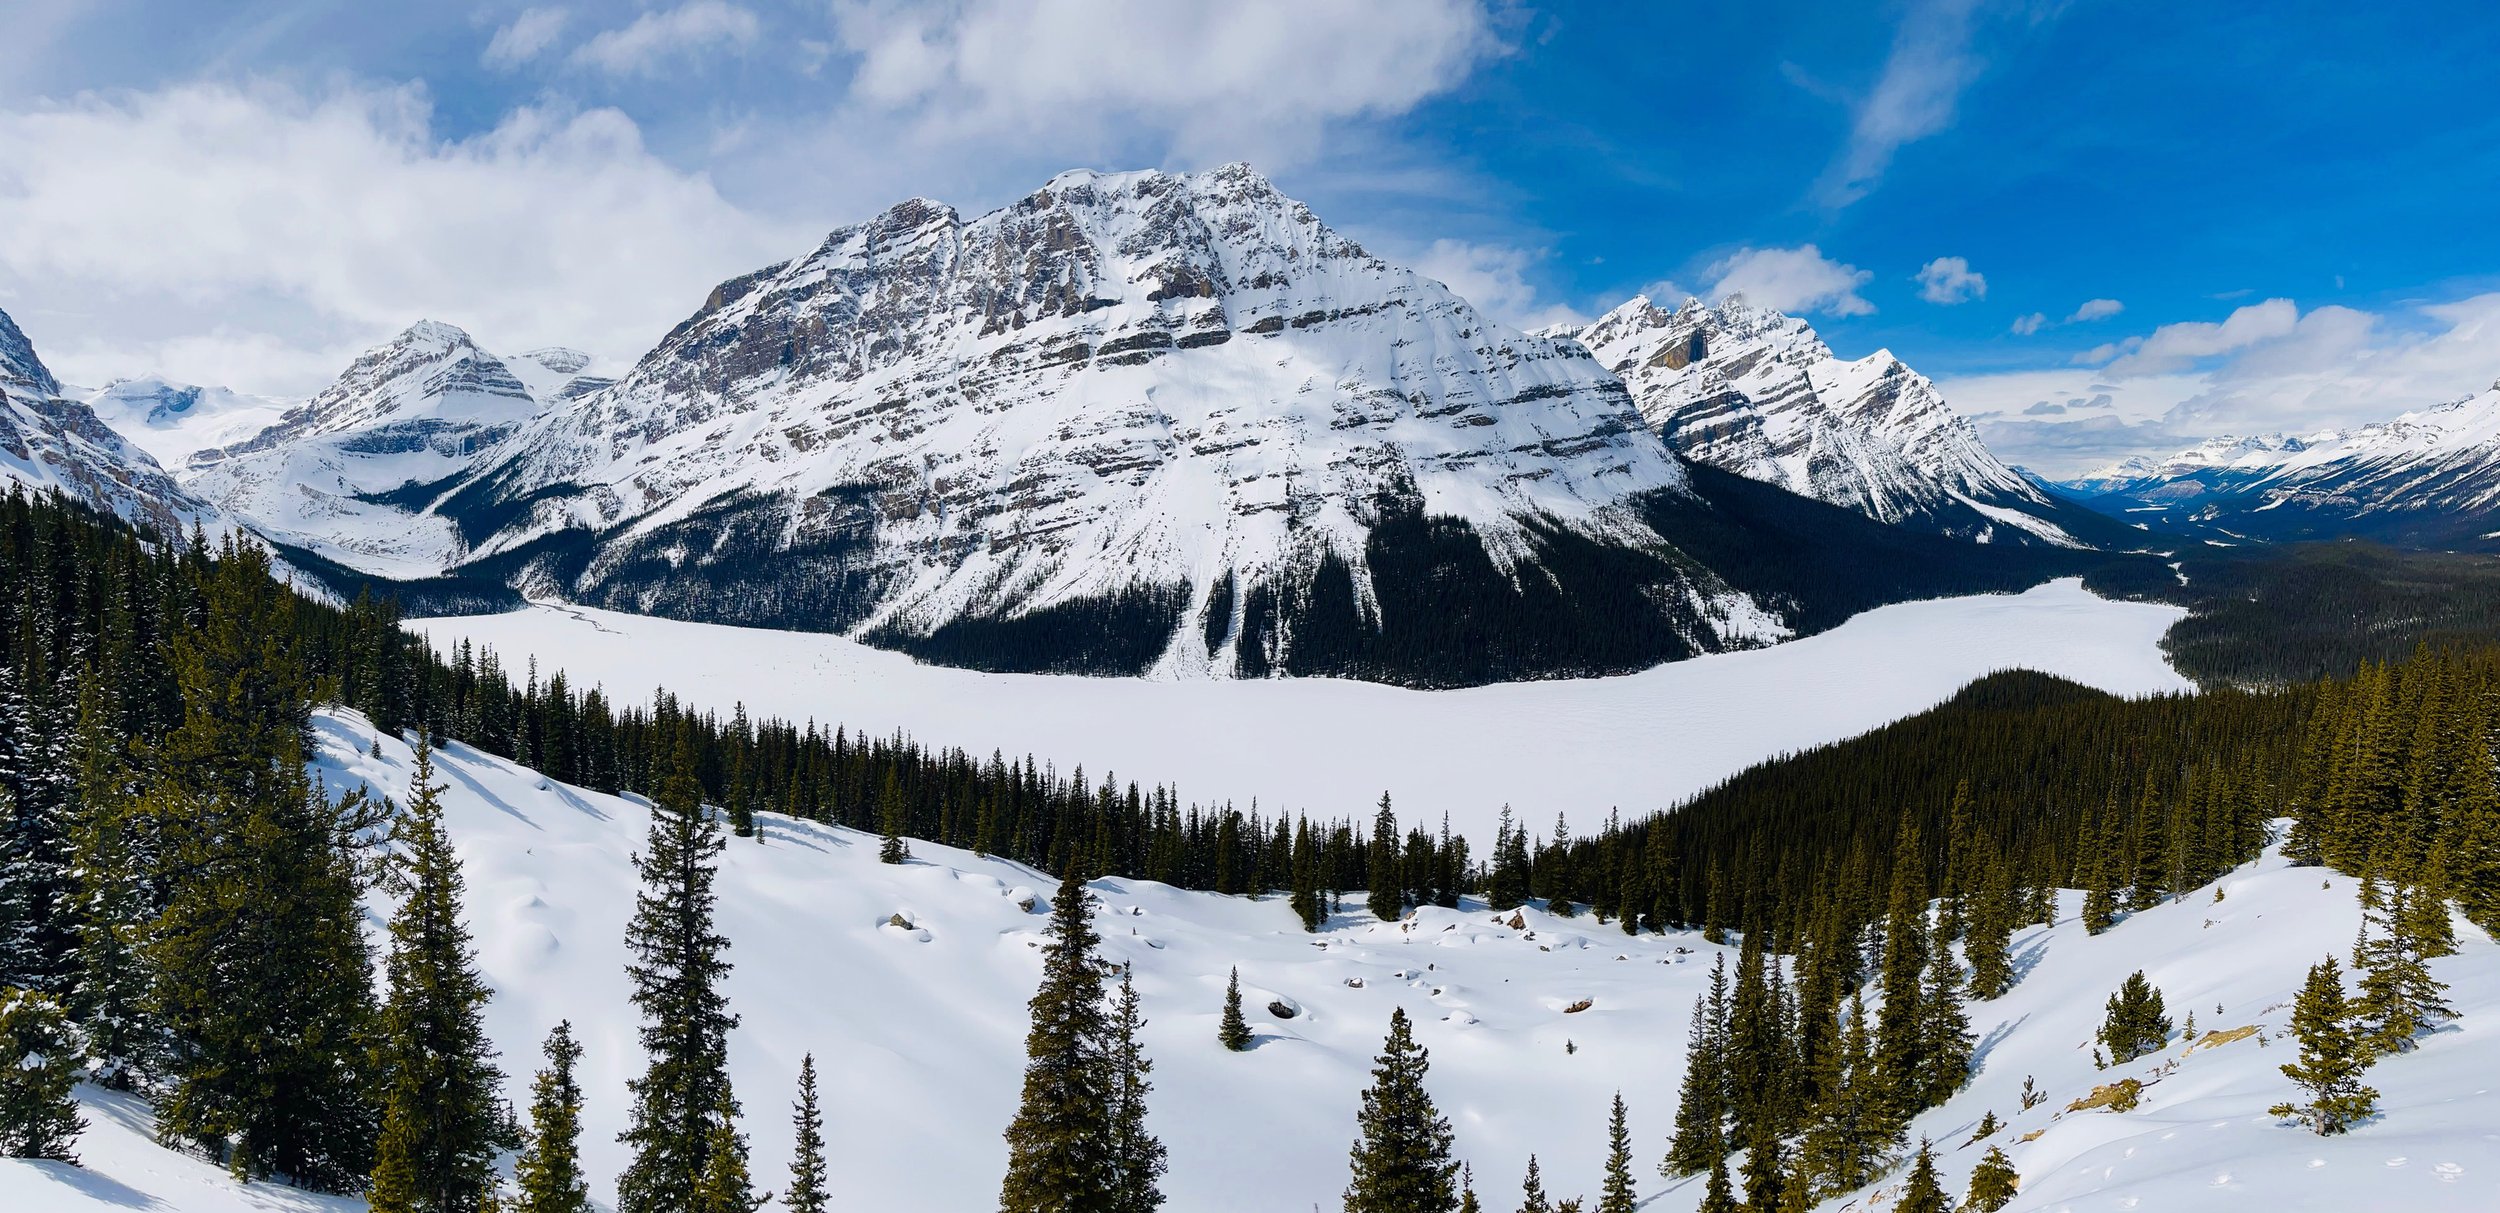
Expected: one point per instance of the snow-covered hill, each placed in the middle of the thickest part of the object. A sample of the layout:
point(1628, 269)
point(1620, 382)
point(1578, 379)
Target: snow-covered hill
point(1757, 392)
point(173, 421)
point(2429, 477)
point(48, 441)
point(1636, 742)
point(917, 1029)
point(346, 473)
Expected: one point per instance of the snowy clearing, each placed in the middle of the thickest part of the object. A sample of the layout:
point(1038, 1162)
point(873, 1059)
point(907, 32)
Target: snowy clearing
point(1638, 742)
point(918, 1031)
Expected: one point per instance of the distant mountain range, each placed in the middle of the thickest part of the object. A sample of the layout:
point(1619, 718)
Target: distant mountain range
point(1141, 423)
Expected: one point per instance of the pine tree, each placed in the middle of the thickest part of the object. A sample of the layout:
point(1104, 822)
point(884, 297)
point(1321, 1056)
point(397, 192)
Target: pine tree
point(1532, 1191)
point(1507, 886)
point(1137, 1155)
point(1307, 903)
point(677, 970)
point(1944, 1031)
point(1467, 1202)
point(1988, 941)
point(549, 1171)
point(2134, 1022)
point(1059, 1146)
point(1401, 1160)
point(1992, 1183)
point(725, 1186)
point(1701, 1104)
point(891, 822)
point(2400, 999)
point(1388, 893)
point(38, 1115)
point(807, 1158)
point(1234, 1031)
point(1719, 1195)
point(1900, 1044)
point(1923, 1192)
point(1853, 1133)
point(1617, 1195)
point(439, 1125)
point(2331, 1060)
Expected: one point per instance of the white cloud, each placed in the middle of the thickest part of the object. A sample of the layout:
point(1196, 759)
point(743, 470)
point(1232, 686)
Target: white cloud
point(525, 37)
point(1950, 280)
point(653, 39)
point(1796, 280)
point(1494, 277)
point(2095, 309)
point(2176, 346)
point(1929, 65)
point(1219, 81)
point(2025, 326)
point(161, 231)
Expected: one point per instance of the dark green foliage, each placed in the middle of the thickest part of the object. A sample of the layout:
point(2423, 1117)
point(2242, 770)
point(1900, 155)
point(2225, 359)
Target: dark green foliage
point(1060, 1144)
point(2134, 1022)
point(1700, 1139)
point(440, 1128)
point(1120, 633)
point(1388, 890)
point(806, 1193)
point(1854, 1131)
point(38, 1116)
point(549, 1169)
point(1137, 1156)
point(1943, 1030)
point(1719, 1195)
point(1401, 1159)
point(2331, 1057)
point(1234, 1030)
point(1988, 935)
point(1532, 1191)
point(1922, 1192)
point(1992, 1183)
point(1617, 1194)
point(2400, 1000)
point(682, 1102)
point(725, 1186)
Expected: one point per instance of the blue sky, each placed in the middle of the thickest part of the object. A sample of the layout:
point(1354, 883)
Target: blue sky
point(2106, 227)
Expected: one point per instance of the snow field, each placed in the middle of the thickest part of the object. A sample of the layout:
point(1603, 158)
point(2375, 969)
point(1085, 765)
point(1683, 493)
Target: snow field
point(1638, 742)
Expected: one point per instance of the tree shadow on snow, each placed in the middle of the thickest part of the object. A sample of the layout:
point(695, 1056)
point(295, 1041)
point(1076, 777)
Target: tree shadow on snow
point(1979, 1053)
point(2028, 959)
point(100, 1188)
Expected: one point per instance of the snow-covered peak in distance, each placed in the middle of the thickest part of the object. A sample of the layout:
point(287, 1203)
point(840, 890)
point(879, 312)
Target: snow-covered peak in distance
point(22, 373)
point(2227, 452)
point(555, 373)
point(1756, 392)
point(50, 442)
point(173, 421)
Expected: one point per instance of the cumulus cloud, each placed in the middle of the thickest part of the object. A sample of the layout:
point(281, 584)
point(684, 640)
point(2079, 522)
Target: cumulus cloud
point(1494, 278)
point(1799, 279)
point(655, 39)
point(1950, 280)
point(1930, 63)
point(2095, 309)
point(162, 231)
point(2025, 326)
point(525, 37)
point(2175, 346)
point(1232, 81)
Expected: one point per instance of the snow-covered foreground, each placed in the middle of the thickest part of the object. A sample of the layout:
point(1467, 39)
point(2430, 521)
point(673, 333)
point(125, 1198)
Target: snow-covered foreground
point(918, 1029)
point(1329, 747)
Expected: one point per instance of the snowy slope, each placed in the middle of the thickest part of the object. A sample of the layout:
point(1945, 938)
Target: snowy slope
point(48, 441)
point(918, 1031)
point(1758, 393)
point(2431, 476)
point(1638, 742)
point(173, 421)
point(342, 472)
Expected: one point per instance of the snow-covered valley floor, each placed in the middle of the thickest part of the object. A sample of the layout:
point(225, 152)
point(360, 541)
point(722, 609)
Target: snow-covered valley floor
point(918, 1031)
point(1329, 747)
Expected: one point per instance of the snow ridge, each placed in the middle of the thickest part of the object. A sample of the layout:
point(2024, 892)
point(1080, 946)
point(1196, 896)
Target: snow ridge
point(48, 441)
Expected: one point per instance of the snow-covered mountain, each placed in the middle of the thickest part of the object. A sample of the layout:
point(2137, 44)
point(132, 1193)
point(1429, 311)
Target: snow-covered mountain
point(48, 441)
point(1756, 392)
point(341, 474)
point(2429, 477)
point(173, 421)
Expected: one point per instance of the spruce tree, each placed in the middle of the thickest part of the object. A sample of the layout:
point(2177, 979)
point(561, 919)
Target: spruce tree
point(1467, 1202)
point(1923, 1192)
point(677, 969)
point(2331, 1059)
point(1137, 1155)
point(2134, 1022)
point(549, 1170)
point(1719, 1195)
point(1532, 1191)
point(1992, 1183)
point(1234, 1031)
point(1944, 1031)
point(725, 1186)
point(440, 1128)
point(1306, 901)
point(38, 1115)
point(2399, 999)
point(1617, 1195)
point(1401, 1159)
point(1388, 893)
point(1988, 939)
point(1059, 1146)
point(1900, 1044)
point(1853, 1132)
point(807, 1158)
point(891, 822)
point(1506, 887)
point(1700, 1137)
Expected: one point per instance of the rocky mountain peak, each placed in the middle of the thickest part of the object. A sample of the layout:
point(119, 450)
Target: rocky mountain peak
point(21, 371)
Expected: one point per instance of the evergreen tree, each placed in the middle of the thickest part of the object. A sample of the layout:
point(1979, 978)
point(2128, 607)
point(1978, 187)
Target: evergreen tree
point(1059, 1146)
point(1923, 1192)
point(1507, 886)
point(1719, 1195)
point(683, 1099)
point(725, 1186)
point(1137, 1155)
point(1701, 1105)
point(1307, 903)
point(2331, 1059)
point(440, 1129)
point(38, 1115)
point(1234, 1031)
point(1401, 1160)
point(1532, 1191)
point(1467, 1202)
point(1853, 1132)
point(125, 1045)
point(1944, 1031)
point(807, 1159)
point(1617, 1195)
point(1900, 1043)
point(892, 820)
point(549, 1170)
point(1388, 893)
point(1988, 941)
point(2400, 999)
point(1992, 1183)
point(2134, 1022)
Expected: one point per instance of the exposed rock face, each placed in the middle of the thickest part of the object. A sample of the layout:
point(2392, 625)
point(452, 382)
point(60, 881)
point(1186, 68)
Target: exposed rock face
point(1759, 394)
point(49, 442)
